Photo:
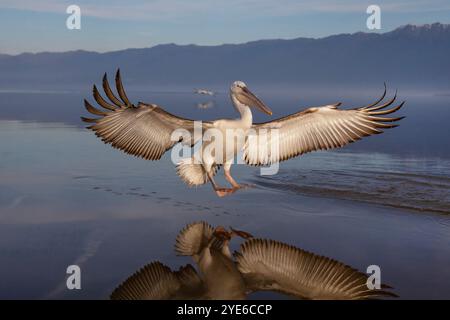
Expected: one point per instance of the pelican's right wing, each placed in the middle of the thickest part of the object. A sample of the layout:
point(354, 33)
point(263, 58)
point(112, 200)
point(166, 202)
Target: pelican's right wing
point(317, 128)
point(275, 266)
point(156, 281)
point(144, 130)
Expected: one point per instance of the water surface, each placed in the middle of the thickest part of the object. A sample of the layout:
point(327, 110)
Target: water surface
point(66, 198)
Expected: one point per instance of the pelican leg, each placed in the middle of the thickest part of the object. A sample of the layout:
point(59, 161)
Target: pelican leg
point(227, 173)
point(221, 192)
point(230, 179)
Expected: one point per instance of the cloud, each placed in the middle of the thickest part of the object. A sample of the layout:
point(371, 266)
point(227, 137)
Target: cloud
point(177, 9)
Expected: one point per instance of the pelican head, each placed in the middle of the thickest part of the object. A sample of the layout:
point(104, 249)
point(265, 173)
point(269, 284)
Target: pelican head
point(245, 96)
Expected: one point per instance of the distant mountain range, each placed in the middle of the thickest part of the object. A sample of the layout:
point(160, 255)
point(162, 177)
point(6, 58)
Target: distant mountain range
point(418, 55)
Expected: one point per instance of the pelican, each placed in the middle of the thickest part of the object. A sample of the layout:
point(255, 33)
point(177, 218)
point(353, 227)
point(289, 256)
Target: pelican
point(259, 265)
point(145, 130)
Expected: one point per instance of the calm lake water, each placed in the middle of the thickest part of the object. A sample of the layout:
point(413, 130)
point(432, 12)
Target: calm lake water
point(66, 198)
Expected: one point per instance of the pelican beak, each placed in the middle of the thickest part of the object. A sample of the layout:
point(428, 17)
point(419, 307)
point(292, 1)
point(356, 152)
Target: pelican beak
point(248, 98)
point(242, 234)
point(222, 234)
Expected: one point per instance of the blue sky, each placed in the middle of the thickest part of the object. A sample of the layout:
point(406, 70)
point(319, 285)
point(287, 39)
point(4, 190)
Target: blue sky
point(35, 26)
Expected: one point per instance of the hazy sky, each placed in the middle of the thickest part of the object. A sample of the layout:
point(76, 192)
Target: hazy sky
point(34, 26)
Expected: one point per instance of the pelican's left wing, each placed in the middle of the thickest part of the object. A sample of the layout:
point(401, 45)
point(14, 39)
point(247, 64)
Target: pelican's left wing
point(144, 130)
point(317, 128)
point(156, 281)
point(275, 266)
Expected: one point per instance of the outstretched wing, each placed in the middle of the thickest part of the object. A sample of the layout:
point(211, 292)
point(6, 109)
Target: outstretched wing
point(275, 266)
point(156, 281)
point(317, 128)
point(144, 130)
point(193, 238)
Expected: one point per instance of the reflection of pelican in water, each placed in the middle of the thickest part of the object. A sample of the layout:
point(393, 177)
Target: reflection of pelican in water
point(205, 105)
point(146, 130)
point(260, 265)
